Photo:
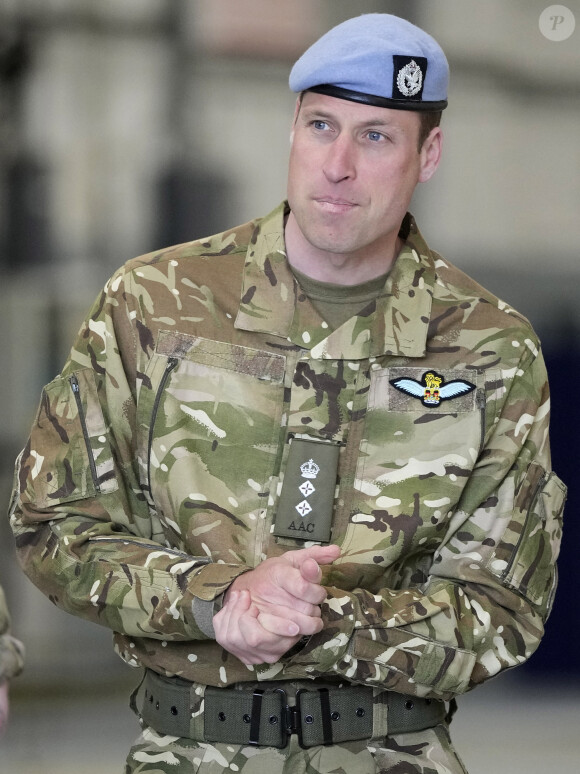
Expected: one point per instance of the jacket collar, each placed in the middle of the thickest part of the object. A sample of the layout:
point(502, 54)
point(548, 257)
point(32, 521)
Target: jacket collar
point(395, 324)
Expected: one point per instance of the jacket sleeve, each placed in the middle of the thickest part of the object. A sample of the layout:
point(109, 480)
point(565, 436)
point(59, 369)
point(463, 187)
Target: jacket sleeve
point(11, 649)
point(85, 532)
point(490, 584)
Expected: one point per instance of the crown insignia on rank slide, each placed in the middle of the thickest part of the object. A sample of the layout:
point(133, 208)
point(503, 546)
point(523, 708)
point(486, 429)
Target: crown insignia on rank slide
point(432, 388)
point(376, 59)
point(309, 469)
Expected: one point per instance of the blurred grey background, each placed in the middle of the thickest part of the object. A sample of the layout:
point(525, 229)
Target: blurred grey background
point(128, 125)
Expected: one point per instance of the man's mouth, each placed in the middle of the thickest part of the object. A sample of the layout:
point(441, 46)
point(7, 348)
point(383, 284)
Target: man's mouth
point(334, 204)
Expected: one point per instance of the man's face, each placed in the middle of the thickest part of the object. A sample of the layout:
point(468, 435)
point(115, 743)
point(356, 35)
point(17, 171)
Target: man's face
point(353, 169)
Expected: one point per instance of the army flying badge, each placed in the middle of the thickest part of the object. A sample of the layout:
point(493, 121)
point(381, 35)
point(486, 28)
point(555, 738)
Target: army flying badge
point(431, 390)
point(409, 77)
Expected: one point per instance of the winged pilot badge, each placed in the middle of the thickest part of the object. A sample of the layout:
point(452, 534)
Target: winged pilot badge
point(410, 79)
point(431, 390)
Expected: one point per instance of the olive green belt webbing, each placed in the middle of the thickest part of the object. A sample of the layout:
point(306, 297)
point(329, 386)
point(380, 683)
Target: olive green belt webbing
point(320, 714)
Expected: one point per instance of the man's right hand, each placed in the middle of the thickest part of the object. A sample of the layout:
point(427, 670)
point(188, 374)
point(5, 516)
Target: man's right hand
point(268, 609)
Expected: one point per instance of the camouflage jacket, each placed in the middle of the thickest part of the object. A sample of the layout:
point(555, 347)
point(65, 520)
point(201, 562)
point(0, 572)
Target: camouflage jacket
point(156, 463)
point(11, 649)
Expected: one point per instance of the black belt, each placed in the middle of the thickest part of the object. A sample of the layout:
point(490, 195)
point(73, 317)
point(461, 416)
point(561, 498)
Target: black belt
point(319, 715)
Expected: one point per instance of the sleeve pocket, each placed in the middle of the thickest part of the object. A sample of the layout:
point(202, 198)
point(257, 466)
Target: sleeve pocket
point(69, 457)
point(445, 668)
point(531, 543)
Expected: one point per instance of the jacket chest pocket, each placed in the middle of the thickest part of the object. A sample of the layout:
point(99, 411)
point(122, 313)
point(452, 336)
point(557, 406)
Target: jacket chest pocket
point(210, 421)
point(422, 435)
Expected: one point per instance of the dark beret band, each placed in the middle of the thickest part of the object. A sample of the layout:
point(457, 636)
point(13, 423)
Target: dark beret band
point(371, 99)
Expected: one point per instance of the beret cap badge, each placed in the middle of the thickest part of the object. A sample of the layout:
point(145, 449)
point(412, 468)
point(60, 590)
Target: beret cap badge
point(410, 79)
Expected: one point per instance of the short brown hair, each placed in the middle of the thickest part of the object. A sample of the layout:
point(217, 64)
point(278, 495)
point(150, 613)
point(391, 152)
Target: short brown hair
point(427, 122)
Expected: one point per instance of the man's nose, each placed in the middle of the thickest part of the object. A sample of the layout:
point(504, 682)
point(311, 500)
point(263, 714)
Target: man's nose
point(339, 163)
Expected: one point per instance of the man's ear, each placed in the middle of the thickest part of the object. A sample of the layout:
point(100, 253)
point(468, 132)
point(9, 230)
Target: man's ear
point(431, 154)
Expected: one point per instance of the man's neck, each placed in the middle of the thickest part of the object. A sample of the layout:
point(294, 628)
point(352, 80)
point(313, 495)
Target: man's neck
point(337, 268)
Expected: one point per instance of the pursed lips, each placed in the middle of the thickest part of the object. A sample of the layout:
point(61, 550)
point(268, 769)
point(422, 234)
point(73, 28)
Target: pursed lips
point(333, 204)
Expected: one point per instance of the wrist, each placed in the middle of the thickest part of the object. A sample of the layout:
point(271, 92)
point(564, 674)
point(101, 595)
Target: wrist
point(236, 585)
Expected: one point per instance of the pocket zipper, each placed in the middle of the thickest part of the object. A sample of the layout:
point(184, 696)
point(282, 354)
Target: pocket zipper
point(480, 402)
point(171, 364)
point(74, 383)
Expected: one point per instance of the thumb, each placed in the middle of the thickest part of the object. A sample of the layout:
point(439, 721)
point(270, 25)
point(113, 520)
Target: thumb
point(326, 554)
point(320, 554)
point(310, 570)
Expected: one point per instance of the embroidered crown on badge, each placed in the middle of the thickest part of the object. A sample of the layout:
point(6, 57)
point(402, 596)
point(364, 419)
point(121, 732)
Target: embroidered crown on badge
point(432, 389)
point(309, 469)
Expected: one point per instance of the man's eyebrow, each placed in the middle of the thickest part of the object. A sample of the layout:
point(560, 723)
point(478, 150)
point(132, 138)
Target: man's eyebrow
point(323, 114)
point(311, 112)
point(378, 122)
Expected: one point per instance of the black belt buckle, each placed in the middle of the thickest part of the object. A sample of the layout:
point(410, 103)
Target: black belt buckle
point(292, 716)
point(293, 720)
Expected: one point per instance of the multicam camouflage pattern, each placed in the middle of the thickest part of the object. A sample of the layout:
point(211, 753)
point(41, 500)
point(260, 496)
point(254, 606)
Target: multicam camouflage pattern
point(428, 752)
point(155, 466)
point(11, 649)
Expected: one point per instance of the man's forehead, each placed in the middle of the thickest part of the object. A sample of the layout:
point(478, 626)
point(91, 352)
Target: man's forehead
point(314, 104)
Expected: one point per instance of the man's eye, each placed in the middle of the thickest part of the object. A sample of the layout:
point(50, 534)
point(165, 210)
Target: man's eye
point(375, 136)
point(320, 125)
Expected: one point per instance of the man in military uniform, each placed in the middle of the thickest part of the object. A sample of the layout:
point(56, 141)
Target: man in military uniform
point(301, 468)
point(11, 659)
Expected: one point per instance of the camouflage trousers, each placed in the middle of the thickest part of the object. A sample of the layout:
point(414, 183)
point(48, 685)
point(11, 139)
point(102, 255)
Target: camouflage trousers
point(424, 752)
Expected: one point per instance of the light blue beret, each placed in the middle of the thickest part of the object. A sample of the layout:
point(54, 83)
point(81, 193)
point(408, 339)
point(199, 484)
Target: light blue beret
point(377, 59)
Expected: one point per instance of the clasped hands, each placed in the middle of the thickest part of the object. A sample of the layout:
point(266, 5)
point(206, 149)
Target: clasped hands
point(268, 609)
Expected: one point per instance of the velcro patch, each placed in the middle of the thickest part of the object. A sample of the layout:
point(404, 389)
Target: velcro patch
point(416, 389)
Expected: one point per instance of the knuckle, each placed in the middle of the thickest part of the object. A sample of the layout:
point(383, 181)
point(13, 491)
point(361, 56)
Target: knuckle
point(252, 639)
